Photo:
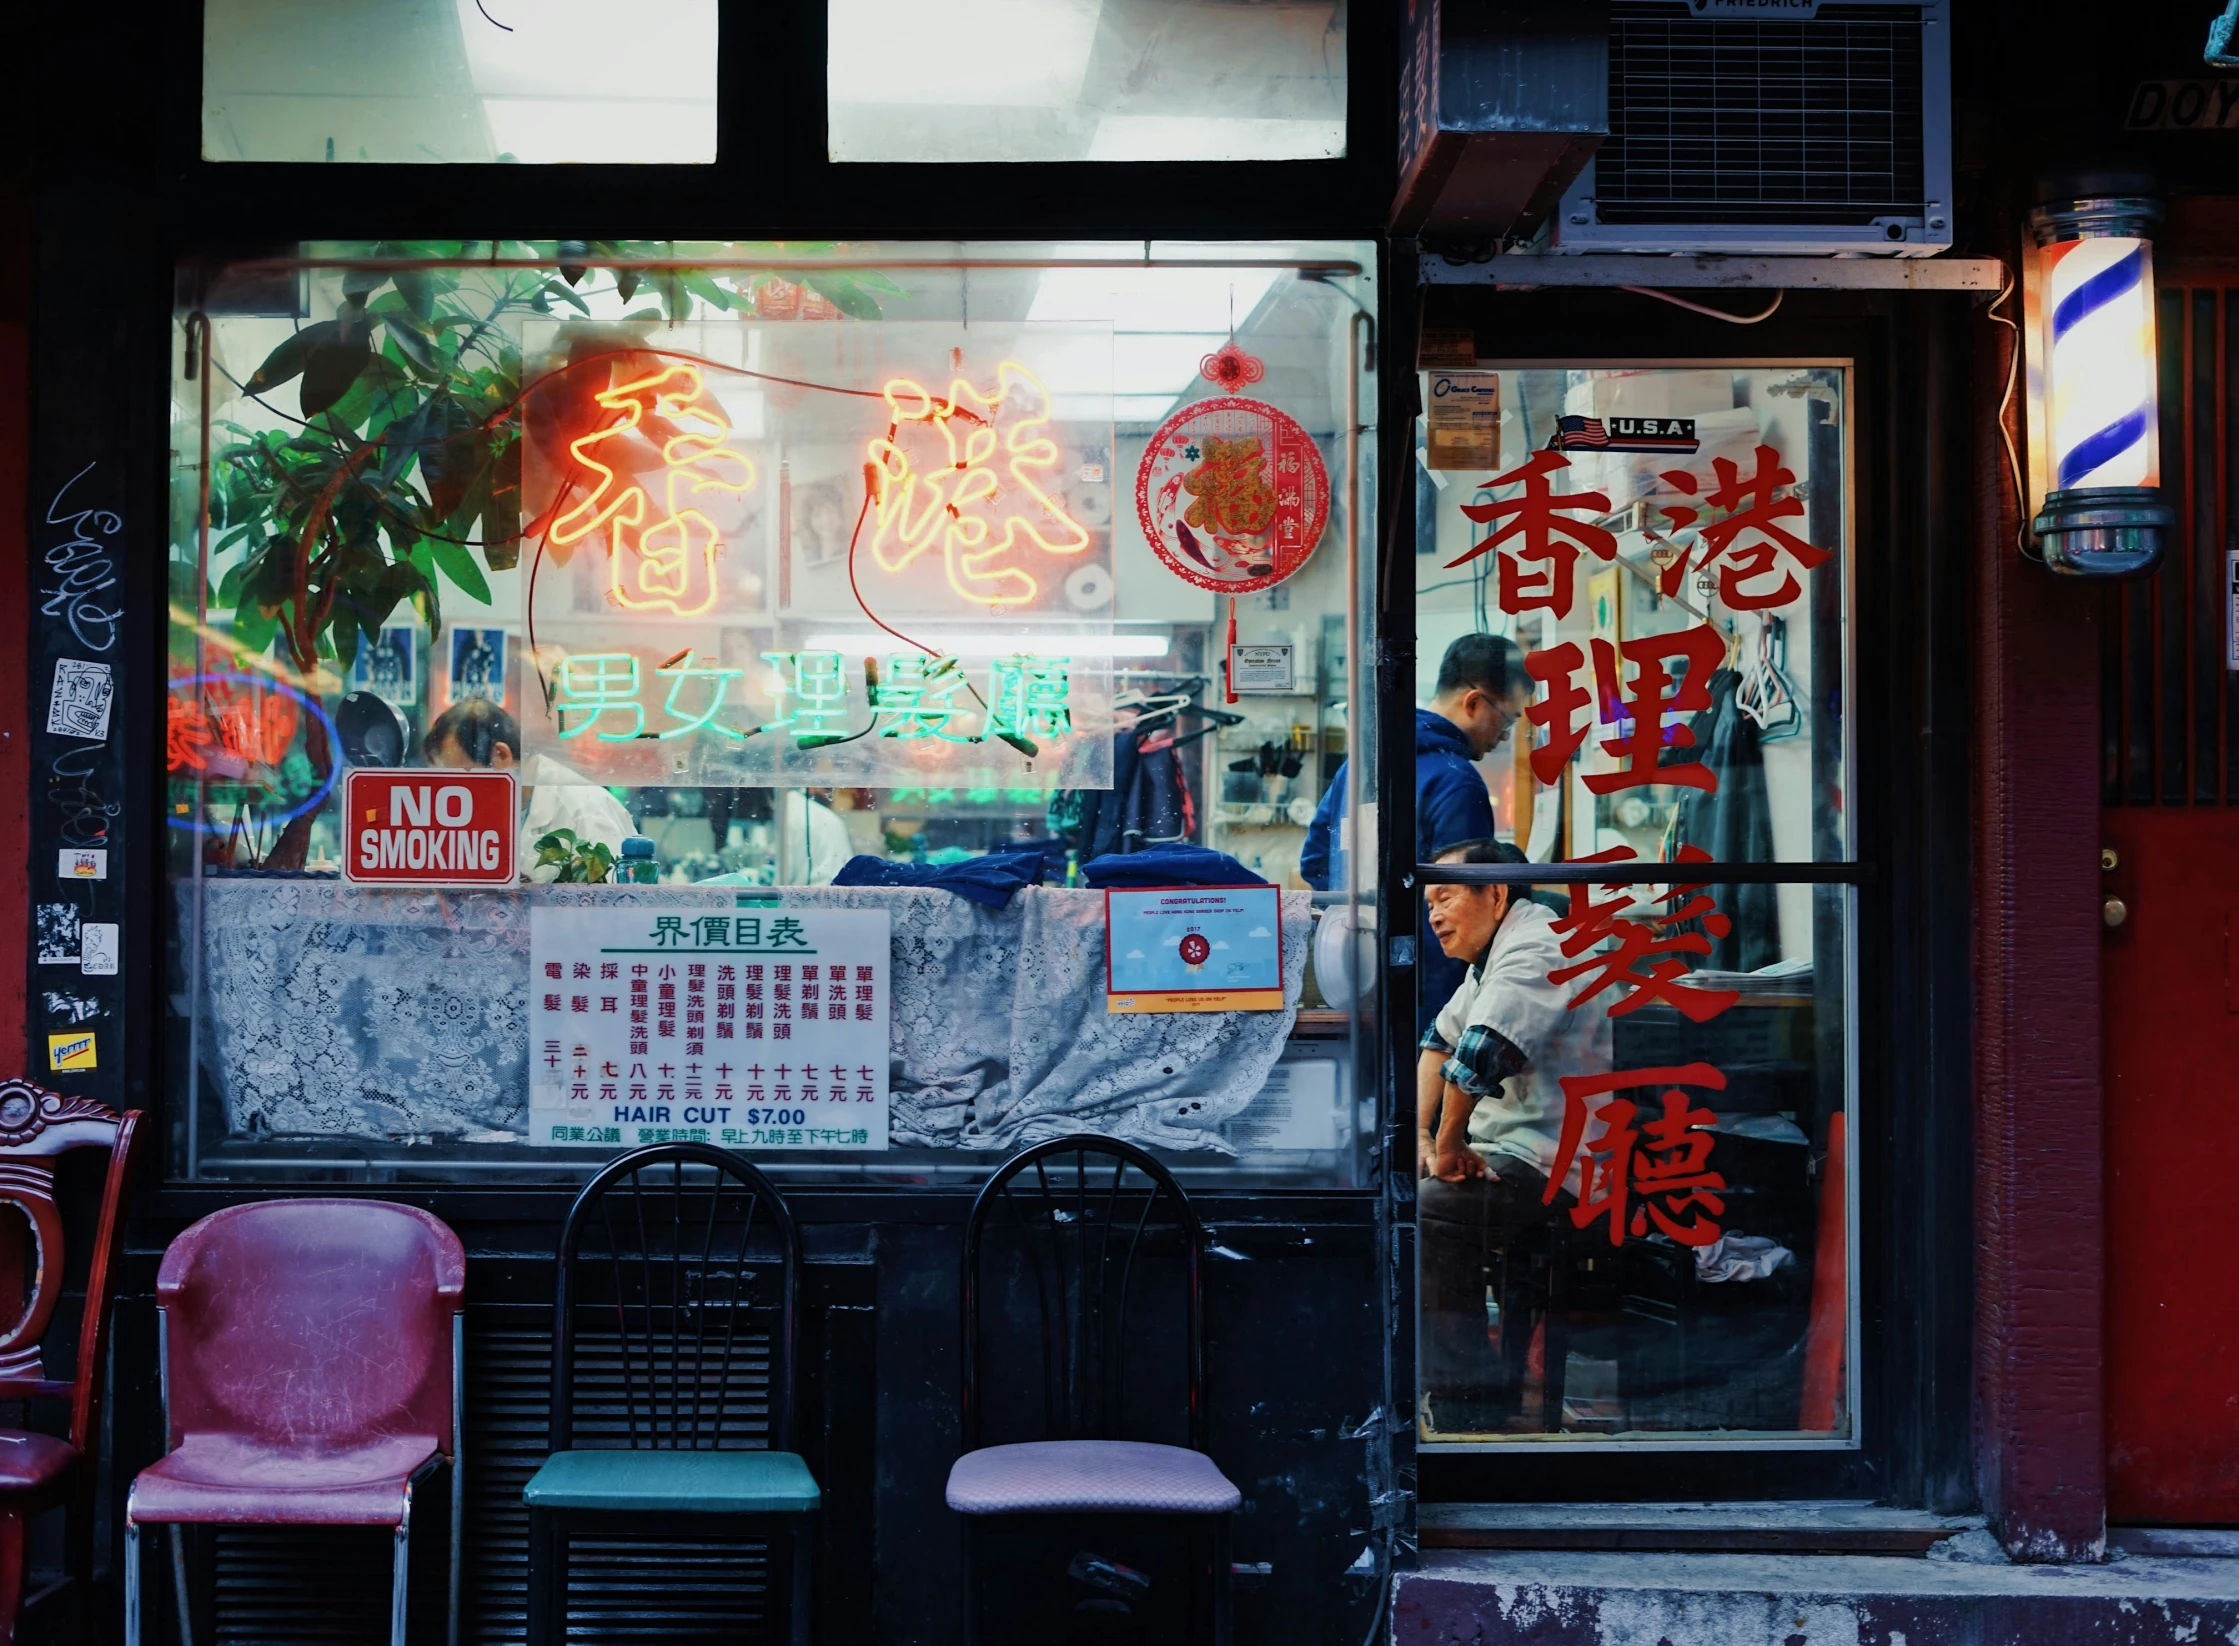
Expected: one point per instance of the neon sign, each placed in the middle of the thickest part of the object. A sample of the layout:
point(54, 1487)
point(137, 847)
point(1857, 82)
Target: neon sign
point(241, 728)
point(669, 563)
point(938, 489)
point(912, 698)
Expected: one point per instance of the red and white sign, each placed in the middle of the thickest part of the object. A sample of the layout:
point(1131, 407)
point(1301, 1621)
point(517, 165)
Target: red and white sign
point(419, 826)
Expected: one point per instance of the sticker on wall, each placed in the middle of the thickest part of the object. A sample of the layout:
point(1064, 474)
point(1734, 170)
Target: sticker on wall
point(58, 933)
point(71, 1051)
point(97, 949)
point(80, 704)
point(1625, 434)
point(82, 863)
point(71, 1008)
point(1232, 495)
point(1461, 420)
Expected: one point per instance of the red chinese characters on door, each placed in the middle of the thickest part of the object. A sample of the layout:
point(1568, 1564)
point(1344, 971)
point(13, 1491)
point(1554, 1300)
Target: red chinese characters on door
point(430, 828)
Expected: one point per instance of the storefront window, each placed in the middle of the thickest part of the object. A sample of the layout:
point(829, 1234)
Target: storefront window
point(1634, 1090)
point(1071, 80)
point(407, 82)
point(549, 637)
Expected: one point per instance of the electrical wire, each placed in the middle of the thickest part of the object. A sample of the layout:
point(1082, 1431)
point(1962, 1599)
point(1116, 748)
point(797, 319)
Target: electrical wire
point(1704, 308)
point(2005, 434)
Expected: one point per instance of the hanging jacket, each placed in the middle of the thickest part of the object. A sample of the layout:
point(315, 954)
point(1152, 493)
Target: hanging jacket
point(1733, 823)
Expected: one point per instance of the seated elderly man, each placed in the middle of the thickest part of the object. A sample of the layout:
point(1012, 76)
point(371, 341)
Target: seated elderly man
point(1489, 1108)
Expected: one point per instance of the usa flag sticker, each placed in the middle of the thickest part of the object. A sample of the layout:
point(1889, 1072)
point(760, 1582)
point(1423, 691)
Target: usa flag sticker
point(1625, 434)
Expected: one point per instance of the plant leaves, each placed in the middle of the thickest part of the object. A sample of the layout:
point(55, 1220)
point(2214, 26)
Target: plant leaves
point(286, 361)
point(331, 366)
point(416, 346)
point(843, 294)
point(701, 285)
point(418, 288)
point(457, 562)
point(625, 284)
point(552, 288)
point(452, 452)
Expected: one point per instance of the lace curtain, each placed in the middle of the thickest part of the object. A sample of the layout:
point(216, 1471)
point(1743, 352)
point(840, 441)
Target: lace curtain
point(329, 1010)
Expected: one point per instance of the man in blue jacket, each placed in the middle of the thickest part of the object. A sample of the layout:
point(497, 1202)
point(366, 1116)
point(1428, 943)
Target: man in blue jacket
point(1482, 690)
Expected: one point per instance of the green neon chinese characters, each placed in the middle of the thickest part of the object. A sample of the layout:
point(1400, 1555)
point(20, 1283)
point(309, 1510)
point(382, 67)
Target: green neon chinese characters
point(910, 697)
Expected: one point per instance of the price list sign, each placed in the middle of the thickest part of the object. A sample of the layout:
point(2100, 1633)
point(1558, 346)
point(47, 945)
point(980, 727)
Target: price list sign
point(752, 1030)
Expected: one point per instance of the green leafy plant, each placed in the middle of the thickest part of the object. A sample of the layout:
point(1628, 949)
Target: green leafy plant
point(580, 861)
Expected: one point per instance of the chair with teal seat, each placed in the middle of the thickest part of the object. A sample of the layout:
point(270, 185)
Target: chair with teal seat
point(672, 1382)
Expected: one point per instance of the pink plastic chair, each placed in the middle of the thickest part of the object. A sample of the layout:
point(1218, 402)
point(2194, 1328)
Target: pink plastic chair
point(311, 1364)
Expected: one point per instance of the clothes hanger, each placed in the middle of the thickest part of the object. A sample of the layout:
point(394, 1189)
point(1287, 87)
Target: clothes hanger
point(1764, 693)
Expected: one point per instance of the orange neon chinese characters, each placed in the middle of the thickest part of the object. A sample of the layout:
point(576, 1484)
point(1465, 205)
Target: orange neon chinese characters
point(958, 478)
point(657, 559)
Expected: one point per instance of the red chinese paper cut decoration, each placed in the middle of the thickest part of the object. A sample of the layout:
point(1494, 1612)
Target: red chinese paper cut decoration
point(1232, 495)
point(1231, 369)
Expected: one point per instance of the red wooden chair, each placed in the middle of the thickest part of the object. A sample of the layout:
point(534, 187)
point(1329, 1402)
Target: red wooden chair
point(311, 1364)
point(37, 1471)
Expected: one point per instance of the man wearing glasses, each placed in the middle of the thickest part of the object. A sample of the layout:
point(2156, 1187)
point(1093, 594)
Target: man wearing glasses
point(1480, 693)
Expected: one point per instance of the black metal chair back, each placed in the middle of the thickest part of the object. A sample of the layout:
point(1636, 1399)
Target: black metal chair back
point(1086, 1213)
point(675, 1305)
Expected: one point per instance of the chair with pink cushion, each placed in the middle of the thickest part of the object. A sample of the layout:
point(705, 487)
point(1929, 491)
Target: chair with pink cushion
point(1066, 1249)
point(311, 1368)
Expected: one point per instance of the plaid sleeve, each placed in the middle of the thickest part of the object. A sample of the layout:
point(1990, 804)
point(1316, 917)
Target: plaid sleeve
point(1482, 1061)
point(1433, 1041)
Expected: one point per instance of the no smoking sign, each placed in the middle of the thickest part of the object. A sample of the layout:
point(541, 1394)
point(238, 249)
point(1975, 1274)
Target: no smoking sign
point(421, 827)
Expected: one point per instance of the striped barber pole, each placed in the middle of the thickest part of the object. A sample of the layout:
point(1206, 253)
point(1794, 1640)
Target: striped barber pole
point(2099, 388)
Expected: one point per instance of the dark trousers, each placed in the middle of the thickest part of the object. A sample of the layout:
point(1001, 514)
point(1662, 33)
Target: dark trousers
point(1463, 1229)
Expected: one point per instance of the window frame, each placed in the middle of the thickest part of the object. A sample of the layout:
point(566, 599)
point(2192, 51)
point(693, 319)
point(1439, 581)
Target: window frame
point(771, 78)
point(1906, 866)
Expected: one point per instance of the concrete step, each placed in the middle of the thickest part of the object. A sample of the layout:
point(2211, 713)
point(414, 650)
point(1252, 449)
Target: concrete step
point(1594, 1598)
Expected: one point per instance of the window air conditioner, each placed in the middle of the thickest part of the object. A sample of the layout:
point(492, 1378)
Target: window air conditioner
point(1770, 126)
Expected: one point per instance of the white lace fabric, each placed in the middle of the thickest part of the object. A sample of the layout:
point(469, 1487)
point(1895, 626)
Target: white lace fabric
point(335, 1011)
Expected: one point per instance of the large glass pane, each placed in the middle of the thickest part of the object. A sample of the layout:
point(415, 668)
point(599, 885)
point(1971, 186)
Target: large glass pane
point(824, 620)
point(1634, 1097)
point(1087, 80)
point(412, 81)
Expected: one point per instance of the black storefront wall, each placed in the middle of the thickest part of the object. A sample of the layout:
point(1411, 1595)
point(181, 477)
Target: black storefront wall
point(1299, 1318)
point(1294, 1349)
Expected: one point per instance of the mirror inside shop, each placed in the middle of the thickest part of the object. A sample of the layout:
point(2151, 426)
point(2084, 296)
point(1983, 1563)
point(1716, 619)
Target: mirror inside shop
point(515, 585)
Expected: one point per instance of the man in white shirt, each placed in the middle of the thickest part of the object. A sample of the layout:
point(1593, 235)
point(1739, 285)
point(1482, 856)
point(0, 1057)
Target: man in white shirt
point(1489, 1117)
point(477, 732)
